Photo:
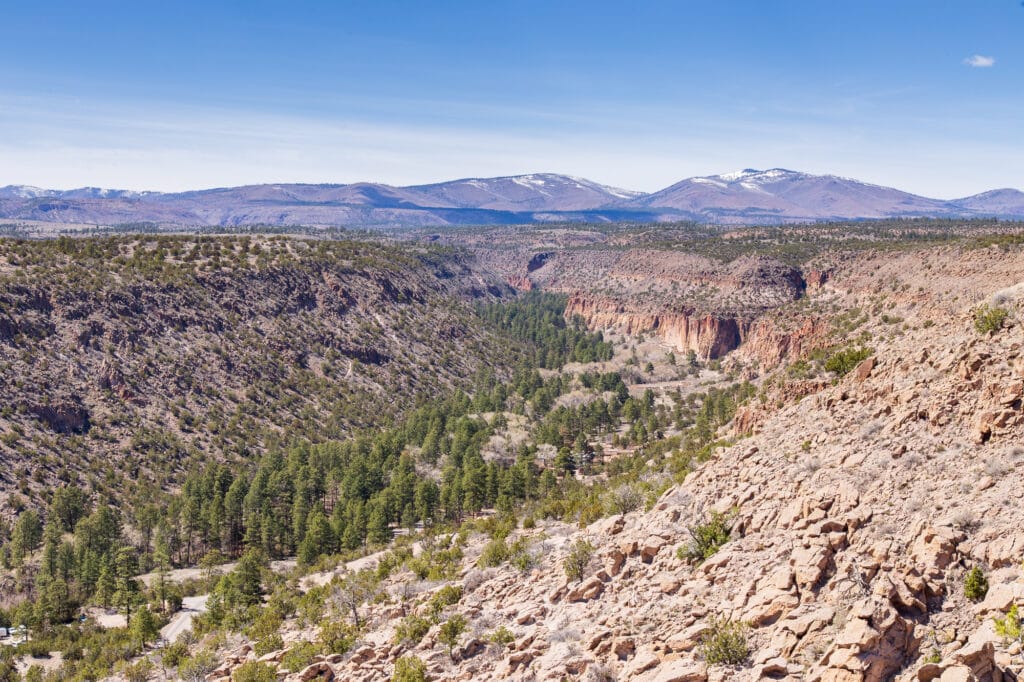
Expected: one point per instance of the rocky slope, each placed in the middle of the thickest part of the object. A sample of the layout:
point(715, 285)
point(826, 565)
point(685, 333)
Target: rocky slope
point(856, 510)
point(157, 353)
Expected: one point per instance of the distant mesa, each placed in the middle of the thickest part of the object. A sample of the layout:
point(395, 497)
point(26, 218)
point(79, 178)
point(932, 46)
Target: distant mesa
point(749, 196)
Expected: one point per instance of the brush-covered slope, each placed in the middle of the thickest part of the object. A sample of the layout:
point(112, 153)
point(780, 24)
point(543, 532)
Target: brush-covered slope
point(158, 353)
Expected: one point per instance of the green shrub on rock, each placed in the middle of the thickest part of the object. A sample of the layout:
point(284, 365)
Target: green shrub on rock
point(707, 537)
point(725, 642)
point(989, 319)
point(409, 669)
point(844, 361)
point(254, 671)
point(575, 564)
point(975, 584)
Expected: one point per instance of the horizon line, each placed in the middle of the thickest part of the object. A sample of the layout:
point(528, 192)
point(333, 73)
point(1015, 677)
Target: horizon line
point(639, 193)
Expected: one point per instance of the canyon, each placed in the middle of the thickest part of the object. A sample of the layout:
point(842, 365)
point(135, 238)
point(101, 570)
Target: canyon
point(862, 478)
point(858, 505)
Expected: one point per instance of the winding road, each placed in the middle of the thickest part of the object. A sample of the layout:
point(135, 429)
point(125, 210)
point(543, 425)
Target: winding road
point(182, 620)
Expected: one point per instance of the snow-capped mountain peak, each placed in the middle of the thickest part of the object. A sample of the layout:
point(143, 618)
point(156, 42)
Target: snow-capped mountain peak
point(753, 175)
point(528, 192)
point(748, 196)
point(25, 192)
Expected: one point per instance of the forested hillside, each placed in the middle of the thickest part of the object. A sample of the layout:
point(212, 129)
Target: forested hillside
point(510, 439)
point(158, 354)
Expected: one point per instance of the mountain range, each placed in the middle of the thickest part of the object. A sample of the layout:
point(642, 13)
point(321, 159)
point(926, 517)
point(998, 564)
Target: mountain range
point(744, 197)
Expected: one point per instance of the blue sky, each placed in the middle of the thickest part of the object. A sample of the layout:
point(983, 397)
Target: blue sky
point(925, 96)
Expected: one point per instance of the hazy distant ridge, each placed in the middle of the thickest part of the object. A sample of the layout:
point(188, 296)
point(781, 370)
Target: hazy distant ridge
point(747, 196)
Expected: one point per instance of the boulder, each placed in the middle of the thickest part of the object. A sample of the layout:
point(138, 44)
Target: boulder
point(998, 598)
point(676, 671)
point(613, 562)
point(587, 590)
point(318, 671)
point(863, 370)
point(688, 639)
point(651, 548)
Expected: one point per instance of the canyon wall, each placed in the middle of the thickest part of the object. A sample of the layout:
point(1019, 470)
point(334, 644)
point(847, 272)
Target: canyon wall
point(694, 303)
point(709, 335)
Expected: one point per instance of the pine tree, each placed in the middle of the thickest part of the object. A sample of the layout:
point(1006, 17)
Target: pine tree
point(128, 592)
point(26, 536)
point(144, 626)
point(377, 528)
point(53, 605)
point(162, 563)
point(69, 504)
point(319, 539)
point(425, 500)
point(247, 577)
point(106, 585)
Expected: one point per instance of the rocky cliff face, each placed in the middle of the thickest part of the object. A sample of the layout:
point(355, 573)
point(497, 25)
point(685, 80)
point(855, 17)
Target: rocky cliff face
point(693, 303)
point(710, 335)
point(707, 334)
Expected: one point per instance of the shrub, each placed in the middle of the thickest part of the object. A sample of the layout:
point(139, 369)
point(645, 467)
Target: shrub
point(521, 557)
point(265, 645)
point(267, 624)
point(498, 551)
point(253, 671)
point(409, 669)
point(975, 585)
point(337, 637)
point(989, 319)
point(450, 632)
point(174, 654)
point(412, 629)
point(843, 361)
point(72, 651)
point(495, 554)
point(139, 671)
point(35, 648)
point(707, 538)
point(502, 637)
point(446, 596)
point(1009, 627)
point(724, 642)
point(196, 668)
point(575, 564)
point(299, 656)
point(626, 498)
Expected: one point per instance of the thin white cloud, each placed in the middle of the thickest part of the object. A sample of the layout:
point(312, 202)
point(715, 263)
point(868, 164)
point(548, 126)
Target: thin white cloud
point(980, 61)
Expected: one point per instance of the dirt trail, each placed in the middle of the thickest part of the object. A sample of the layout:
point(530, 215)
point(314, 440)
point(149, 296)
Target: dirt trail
point(322, 578)
point(180, 575)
